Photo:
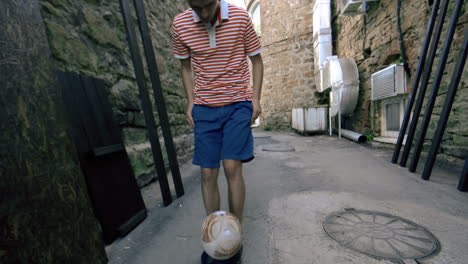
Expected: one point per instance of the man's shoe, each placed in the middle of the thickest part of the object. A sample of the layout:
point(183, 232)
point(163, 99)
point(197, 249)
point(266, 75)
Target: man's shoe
point(206, 259)
point(236, 259)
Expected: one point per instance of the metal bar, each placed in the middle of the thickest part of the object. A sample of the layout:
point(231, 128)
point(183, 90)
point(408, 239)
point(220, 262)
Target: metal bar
point(422, 61)
point(425, 80)
point(444, 115)
point(402, 41)
point(435, 88)
point(146, 104)
point(158, 96)
point(463, 182)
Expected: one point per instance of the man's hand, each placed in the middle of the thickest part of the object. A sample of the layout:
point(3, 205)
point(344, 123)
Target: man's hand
point(189, 115)
point(257, 109)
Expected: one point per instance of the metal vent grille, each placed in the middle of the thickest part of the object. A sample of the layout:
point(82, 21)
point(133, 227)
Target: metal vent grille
point(384, 83)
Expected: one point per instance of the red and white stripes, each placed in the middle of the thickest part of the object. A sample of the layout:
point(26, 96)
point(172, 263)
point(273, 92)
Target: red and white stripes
point(218, 53)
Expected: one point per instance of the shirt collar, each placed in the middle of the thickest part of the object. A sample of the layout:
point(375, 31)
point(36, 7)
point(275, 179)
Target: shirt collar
point(224, 12)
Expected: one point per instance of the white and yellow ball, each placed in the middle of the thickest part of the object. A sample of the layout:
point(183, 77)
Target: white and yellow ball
point(221, 235)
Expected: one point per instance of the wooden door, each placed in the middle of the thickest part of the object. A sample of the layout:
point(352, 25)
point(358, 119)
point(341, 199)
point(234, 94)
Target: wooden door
point(116, 197)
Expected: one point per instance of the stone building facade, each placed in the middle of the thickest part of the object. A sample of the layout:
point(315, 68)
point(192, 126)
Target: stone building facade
point(372, 40)
point(89, 37)
point(288, 57)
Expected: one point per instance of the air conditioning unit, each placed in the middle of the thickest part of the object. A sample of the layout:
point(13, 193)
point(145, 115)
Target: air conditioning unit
point(354, 7)
point(388, 82)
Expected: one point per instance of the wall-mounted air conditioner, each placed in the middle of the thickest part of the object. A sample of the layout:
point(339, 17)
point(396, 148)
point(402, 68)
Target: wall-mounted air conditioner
point(353, 7)
point(388, 82)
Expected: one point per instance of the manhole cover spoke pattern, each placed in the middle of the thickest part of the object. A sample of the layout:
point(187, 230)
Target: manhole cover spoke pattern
point(380, 235)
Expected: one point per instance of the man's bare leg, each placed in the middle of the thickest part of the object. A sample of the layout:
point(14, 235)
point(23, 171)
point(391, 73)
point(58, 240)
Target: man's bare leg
point(236, 186)
point(210, 190)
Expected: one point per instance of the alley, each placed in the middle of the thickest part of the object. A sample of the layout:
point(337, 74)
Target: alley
point(289, 194)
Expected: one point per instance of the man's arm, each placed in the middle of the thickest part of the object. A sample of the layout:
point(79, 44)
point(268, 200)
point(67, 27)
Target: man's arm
point(187, 79)
point(257, 73)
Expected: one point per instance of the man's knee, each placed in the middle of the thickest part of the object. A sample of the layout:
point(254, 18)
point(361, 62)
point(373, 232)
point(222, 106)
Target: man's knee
point(210, 175)
point(233, 169)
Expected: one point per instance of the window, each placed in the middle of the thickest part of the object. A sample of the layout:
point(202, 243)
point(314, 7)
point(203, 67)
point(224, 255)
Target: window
point(393, 111)
point(255, 13)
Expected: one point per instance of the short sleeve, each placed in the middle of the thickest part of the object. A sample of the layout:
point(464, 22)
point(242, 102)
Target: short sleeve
point(181, 51)
point(251, 40)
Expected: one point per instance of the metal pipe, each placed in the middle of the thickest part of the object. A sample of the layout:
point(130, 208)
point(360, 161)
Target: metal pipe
point(422, 61)
point(360, 138)
point(402, 40)
point(435, 88)
point(146, 103)
point(159, 96)
point(425, 80)
point(444, 115)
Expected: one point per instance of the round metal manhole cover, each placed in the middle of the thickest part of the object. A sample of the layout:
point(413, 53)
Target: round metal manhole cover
point(278, 148)
point(380, 235)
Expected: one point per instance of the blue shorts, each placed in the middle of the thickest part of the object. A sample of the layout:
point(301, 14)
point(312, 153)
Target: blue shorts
point(222, 133)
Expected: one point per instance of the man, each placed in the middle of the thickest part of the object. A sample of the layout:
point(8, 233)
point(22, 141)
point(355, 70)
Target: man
point(213, 40)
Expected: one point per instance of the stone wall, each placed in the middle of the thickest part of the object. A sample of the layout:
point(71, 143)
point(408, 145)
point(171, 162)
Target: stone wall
point(288, 58)
point(372, 40)
point(88, 36)
point(45, 212)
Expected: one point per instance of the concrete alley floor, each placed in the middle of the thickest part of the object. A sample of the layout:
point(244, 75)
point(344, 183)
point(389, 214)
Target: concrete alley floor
point(289, 194)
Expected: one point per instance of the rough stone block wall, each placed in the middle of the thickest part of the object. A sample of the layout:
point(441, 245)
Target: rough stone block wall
point(288, 59)
point(89, 37)
point(45, 212)
point(372, 40)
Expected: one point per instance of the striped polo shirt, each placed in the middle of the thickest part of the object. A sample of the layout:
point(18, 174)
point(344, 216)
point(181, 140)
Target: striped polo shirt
point(218, 53)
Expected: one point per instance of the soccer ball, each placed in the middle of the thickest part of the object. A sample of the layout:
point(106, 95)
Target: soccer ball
point(221, 235)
